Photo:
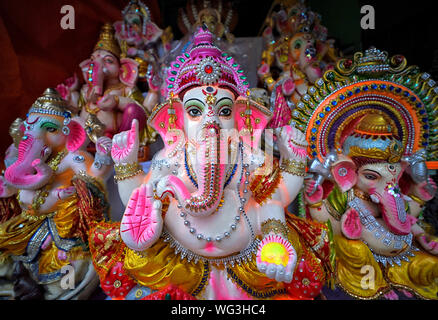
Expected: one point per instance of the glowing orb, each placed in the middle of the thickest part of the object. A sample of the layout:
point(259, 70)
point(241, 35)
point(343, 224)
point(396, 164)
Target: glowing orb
point(274, 252)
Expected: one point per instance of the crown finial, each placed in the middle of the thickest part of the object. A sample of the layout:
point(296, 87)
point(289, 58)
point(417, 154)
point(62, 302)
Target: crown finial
point(107, 41)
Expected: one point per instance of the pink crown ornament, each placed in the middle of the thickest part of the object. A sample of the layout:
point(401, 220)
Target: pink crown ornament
point(205, 64)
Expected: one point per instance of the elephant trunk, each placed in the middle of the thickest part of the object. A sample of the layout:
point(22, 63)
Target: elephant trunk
point(30, 172)
point(394, 212)
point(211, 174)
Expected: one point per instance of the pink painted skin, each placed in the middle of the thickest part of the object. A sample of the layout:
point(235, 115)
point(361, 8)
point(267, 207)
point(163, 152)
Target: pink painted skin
point(423, 192)
point(76, 137)
point(62, 255)
point(29, 172)
point(220, 289)
point(316, 196)
point(347, 181)
point(288, 87)
point(103, 145)
point(132, 111)
point(282, 114)
point(46, 242)
point(391, 295)
point(388, 206)
point(407, 293)
point(431, 246)
point(63, 193)
point(263, 70)
point(118, 153)
point(142, 223)
point(351, 225)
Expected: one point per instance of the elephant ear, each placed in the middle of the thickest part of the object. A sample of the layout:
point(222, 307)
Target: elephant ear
point(251, 119)
point(76, 137)
point(128, 71)
point(167, 120)
point(344, 173)
point(153, 32)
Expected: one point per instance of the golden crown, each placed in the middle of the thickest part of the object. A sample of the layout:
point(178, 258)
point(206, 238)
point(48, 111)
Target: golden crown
point(51, 103)
point(373, 137)
point(107, 41)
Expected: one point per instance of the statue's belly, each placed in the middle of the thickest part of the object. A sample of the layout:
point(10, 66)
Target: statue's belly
point(212, 226)
point(382, 242)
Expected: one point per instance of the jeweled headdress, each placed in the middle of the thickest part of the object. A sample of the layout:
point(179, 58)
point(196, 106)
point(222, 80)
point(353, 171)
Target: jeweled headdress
point(205, 64)
point(107, 41)
point(373, 137)
point(369, 96)
point(51, 103)
point(137, 7)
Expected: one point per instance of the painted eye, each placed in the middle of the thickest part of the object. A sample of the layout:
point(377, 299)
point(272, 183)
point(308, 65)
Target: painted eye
point(370, 176)
point(297, 45)
point(51, 129)
point(109, 60)
point(225, 112)
point(194, 112)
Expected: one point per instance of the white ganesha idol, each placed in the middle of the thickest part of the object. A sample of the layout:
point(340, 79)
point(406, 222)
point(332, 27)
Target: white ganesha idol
point(208, 220)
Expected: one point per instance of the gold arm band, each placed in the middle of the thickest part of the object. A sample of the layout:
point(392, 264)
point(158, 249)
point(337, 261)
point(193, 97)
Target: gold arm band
point(332, 211)
point(298, 144)
point(315, 205)
point(276, 226)
point(293, 167)
point(417, 200)
point(126, 171)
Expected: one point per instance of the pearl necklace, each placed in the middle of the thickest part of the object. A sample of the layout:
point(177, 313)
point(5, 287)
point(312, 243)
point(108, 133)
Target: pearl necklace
point(236, 220)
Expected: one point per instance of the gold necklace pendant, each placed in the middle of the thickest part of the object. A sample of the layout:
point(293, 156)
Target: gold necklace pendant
point(361, 195)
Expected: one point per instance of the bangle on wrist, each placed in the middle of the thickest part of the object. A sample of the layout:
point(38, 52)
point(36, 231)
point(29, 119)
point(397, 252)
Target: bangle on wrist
point(417, 200)
point(276, 226)
point(127, 170)
point(315, 205)
point(293, 167)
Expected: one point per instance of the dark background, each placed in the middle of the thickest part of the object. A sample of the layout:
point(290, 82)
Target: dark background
point(36, 53)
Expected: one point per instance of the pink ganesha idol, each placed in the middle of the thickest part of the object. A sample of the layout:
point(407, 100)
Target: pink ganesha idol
point(109, 100)
point(199, 225)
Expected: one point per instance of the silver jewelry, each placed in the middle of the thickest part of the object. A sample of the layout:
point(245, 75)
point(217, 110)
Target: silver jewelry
point(100, 160)
point(243, 256)
point(386, 237)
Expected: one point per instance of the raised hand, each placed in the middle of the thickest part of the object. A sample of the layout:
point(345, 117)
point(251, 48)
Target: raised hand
point(142, 223)
point(429, 243)
point(276, 258)
point(291, 143)
point(125, 145)
point(317, 196)
point(103, 145)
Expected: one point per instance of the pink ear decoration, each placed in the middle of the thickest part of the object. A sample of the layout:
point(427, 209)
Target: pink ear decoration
point(76, 135)
point(345, 175)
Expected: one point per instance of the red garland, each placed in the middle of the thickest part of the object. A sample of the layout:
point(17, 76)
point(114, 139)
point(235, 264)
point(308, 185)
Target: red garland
point(117, 283)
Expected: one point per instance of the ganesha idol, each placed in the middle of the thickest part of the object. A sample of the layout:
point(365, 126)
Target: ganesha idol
point(109, 100)
point(208, 220)
point(138, 37)
point(295, 56)
point(59, 188)
point(371, 130)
